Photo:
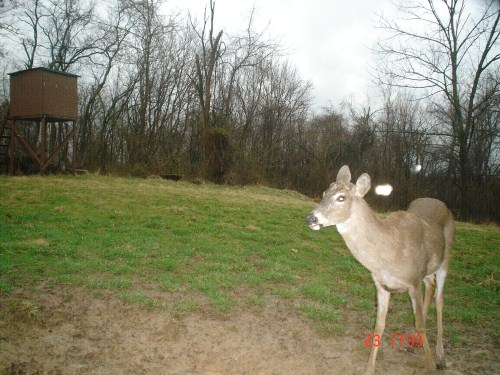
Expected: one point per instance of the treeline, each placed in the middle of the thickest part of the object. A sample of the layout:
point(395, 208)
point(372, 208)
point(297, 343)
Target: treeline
point(166, 94)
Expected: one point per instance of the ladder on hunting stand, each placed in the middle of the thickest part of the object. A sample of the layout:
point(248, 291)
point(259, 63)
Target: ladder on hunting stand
point(5, 144)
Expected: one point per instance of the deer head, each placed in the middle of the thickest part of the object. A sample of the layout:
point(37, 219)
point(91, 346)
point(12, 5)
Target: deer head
point(335, 207)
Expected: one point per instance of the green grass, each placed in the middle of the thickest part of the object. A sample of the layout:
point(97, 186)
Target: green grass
point(186, 247)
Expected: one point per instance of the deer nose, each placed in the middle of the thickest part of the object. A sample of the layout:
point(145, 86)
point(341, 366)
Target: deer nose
point(311, 219)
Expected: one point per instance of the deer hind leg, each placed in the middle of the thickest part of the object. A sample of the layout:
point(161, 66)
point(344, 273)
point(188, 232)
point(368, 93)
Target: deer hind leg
point(383, 297)
point(429, 282)
point(440, 277)
point(416, 298)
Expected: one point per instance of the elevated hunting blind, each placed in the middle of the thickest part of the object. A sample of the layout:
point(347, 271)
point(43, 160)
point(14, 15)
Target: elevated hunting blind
point(43, 93)
point(41, 96)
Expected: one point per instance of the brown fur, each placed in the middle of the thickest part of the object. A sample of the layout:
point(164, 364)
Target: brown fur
point(401, 251)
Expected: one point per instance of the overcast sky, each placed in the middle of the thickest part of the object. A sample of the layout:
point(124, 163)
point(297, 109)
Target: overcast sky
point(329, 40)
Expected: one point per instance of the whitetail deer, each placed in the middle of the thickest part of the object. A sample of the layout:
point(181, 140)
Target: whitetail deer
point(401, 251)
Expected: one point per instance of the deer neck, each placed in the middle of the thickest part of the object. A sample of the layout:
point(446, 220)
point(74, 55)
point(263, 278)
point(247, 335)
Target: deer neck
point(362, 232)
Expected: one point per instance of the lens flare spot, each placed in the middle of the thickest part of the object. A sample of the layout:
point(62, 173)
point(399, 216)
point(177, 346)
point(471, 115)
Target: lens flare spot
point(383, 189)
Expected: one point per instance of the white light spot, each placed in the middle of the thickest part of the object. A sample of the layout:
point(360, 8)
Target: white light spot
point(417, 168)
point(383, 189)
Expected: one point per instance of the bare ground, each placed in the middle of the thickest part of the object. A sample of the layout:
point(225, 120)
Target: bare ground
point(68, 330)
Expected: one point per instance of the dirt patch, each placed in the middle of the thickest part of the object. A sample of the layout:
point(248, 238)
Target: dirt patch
point(67, 330)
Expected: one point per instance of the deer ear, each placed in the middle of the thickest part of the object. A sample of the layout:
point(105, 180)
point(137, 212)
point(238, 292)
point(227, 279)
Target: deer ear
point(344, 174)
point(363, 185)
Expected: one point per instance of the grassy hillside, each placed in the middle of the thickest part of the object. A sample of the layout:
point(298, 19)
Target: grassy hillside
point(189, 248)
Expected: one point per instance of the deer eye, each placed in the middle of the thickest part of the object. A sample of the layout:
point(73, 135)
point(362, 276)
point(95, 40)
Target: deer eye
point(340, 198)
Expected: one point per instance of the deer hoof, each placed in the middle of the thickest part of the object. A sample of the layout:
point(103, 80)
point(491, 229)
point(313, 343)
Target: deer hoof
point(441, 364)
point(409, 349)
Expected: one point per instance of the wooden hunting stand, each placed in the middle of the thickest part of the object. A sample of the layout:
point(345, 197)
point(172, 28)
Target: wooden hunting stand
point(40, 96)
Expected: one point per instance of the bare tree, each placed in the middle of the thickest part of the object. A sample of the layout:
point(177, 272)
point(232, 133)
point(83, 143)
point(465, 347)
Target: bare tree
point(402, 140)
point(68, 33)
point(114, 30)
point(7, 23)
point(451, 53)
point(146, 47)
point(212, 49)
point(58, 34)
point(32, 17)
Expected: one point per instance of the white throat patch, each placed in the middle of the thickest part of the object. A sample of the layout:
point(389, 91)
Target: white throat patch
point(343, 227)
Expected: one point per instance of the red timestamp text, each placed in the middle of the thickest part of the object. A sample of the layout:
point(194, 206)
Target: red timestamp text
point(397, 339)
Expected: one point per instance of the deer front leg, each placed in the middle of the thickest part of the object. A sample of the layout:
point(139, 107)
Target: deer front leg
point(383, 297)
point(416, 298)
